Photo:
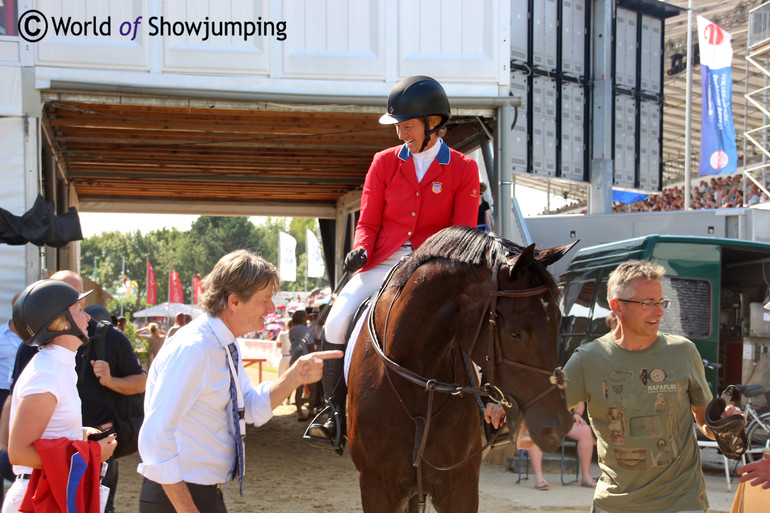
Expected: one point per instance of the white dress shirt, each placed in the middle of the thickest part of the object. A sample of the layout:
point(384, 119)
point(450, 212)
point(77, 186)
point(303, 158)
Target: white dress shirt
point(188, 428)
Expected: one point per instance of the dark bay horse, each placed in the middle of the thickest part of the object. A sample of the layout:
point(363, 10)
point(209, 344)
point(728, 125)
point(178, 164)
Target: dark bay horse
point(414, 423)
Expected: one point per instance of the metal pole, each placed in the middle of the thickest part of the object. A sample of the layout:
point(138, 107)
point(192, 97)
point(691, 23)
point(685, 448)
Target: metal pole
point(688, 111)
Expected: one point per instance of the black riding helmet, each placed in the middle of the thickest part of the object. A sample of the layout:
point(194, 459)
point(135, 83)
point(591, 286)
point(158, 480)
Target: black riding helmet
point(99, 313)
point(417, 97)
point(39, 305)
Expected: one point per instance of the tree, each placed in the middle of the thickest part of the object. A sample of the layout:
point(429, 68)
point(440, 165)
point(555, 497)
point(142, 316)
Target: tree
point(193, 251)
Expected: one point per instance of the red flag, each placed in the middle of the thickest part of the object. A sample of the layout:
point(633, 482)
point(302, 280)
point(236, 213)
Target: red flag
point(175, 288)
point(152, 285)
point(197, 287)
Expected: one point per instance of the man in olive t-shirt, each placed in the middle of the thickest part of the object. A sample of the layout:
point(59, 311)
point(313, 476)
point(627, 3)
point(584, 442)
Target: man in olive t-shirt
point(642, 389)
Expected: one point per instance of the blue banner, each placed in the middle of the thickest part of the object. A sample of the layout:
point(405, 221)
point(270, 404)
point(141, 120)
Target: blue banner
point(717, 151)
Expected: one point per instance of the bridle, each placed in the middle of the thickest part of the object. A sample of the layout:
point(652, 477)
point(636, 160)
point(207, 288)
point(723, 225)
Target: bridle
point(495, 356)
point(431, 386)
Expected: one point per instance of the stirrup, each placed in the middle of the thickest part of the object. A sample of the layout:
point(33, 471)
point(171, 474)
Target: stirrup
point(317, 432)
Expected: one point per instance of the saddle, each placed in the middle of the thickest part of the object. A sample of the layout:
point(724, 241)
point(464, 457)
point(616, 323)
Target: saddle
point(730, 432)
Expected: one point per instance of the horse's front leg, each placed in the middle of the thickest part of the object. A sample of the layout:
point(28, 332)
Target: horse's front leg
point(460, 491)
point(378, 498)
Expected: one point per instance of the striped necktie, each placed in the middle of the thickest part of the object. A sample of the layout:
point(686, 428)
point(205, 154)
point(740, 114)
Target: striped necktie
point(239, 465)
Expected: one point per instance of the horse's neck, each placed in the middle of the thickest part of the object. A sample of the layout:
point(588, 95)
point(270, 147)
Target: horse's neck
point(432, 315)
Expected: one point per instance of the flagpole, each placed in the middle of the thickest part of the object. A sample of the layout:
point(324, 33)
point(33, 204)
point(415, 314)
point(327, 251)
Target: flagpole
point(688, 112)
point(123, 277)
point(168, 303)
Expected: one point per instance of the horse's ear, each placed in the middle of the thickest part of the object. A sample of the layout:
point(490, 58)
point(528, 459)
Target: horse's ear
point(551, 255)
point(525, 259)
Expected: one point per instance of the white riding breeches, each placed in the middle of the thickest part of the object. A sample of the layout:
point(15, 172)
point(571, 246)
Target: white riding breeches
point(361, 286)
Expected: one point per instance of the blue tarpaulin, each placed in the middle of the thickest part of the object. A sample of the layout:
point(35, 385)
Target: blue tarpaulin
point(627, 196)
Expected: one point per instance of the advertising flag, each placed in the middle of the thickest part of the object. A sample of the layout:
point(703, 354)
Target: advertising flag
point(287, 265)
point(717, 149)
point(152, 285)
point(197, 287)
point(175, 288)
point(315, 260)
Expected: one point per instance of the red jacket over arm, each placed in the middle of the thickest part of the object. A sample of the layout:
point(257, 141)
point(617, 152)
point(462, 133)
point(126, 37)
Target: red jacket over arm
point(69, 479)
point(395, 208)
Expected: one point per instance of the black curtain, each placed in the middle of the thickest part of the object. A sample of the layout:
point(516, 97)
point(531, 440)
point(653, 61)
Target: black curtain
point(40, 226)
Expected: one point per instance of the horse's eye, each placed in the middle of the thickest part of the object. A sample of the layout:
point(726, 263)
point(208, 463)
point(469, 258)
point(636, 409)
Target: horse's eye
point(516, 334)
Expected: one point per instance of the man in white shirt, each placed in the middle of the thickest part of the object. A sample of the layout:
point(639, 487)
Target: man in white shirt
point(189, 439)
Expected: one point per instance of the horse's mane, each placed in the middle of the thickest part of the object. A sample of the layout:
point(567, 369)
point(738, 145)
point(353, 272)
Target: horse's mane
point(465, 245)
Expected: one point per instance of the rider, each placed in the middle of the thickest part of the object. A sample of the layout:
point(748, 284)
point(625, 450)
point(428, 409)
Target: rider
point(410, 192)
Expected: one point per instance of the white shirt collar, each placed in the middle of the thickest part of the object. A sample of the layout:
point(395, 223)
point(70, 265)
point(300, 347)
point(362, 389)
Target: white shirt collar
point(224, 336)
point(59, 352)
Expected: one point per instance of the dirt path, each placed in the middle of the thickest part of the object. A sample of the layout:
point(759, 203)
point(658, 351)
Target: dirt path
point(286, 475)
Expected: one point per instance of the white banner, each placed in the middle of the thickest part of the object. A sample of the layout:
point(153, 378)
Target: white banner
point(315, 260)
point(287, 264)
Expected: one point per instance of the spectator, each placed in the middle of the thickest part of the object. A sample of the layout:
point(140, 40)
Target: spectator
point(581, 432)
point(9, 344)
point(179, 321)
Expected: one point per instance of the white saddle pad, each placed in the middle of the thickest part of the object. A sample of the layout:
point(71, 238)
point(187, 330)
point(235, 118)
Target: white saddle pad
point(352, 342)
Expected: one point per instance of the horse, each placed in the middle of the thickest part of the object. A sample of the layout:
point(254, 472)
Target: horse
point(414, 426)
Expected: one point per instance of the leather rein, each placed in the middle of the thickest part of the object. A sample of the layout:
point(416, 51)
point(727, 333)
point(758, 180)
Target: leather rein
point(431, 386)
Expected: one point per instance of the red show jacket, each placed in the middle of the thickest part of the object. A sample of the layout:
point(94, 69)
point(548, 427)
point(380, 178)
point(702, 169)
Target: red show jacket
point(69, 479)
point(395, 208)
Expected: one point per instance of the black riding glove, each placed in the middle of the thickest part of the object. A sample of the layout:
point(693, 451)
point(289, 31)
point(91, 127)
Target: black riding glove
point(355, 260)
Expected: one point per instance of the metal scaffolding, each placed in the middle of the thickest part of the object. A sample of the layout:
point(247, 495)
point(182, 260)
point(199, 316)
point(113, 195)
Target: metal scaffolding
point(758, 56)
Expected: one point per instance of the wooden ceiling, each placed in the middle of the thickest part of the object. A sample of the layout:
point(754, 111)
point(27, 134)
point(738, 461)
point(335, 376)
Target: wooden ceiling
point(163, 157)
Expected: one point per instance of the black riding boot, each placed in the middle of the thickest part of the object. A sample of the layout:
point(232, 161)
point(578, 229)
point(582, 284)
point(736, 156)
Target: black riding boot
point(329, 427)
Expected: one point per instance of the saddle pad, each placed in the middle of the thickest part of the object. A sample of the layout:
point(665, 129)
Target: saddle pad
point(353, 338)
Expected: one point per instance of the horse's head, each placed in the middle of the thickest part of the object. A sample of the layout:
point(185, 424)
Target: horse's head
point(523, 361)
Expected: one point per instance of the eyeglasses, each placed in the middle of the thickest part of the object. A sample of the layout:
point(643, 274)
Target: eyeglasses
point(648, 304)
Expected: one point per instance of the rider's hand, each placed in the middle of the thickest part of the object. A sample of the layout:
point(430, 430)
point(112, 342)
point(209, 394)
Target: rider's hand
point(355, 260)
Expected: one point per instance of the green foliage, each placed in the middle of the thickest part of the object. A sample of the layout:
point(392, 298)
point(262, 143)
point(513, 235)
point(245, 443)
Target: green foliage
point(193, 251)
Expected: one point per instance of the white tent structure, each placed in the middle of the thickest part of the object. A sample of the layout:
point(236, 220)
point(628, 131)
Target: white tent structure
point(168, 310)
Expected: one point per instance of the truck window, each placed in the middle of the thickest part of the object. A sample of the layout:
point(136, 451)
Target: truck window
point(601, 311)
point(578, 297)
point(689, 313)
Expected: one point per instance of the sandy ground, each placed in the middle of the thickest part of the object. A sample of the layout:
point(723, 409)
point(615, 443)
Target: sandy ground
point(286, 475)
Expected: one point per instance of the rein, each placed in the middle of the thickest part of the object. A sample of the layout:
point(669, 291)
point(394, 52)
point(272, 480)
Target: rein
point(431, 386)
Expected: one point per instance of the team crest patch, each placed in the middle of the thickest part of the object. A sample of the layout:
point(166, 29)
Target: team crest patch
point(437, 187)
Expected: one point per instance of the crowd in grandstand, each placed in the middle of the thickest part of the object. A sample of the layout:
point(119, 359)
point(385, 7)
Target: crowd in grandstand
point(716, 192)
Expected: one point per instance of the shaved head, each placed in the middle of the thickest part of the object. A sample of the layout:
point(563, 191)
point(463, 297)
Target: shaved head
point(71, 278)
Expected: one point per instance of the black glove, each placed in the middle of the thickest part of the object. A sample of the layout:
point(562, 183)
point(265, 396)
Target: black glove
point(355, 260)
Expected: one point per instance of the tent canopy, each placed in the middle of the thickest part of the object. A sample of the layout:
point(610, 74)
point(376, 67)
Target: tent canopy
point(169, 310)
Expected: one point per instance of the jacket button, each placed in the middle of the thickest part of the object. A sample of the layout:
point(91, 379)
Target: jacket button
point(413, 214)
point(409, 233)
point(417, 194)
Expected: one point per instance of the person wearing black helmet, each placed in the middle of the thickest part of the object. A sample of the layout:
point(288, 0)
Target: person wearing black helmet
point(410, 192)
point(45, 403)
